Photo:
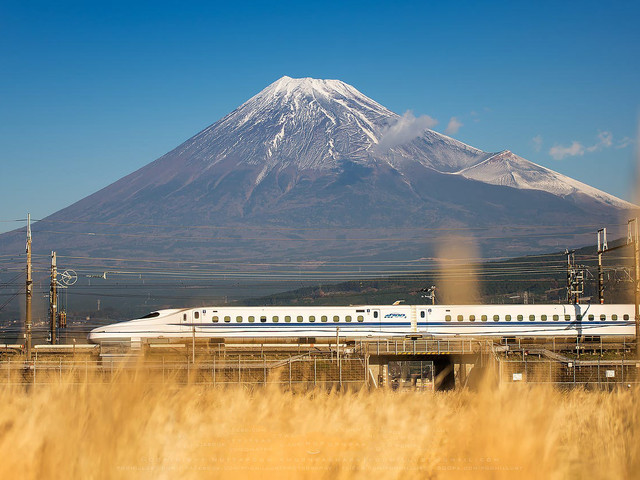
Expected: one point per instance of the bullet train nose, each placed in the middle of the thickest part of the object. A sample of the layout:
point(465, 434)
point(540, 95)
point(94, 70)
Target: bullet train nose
point(96, 335)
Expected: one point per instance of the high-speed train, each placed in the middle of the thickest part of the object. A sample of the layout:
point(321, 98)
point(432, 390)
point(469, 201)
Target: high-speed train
point(319, 324)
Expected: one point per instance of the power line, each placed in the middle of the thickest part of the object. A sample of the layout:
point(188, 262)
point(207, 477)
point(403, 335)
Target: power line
point(239, 237)
point(332, 227)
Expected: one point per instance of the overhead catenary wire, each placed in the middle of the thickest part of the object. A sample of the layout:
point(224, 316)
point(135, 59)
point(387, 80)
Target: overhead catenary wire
point(152, 236)
point(328, 227)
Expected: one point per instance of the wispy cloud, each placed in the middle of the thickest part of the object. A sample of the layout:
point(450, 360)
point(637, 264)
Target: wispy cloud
point(605, 140)
point(625, 142)
point(537, 142)
point(404, 130)
point(577, 149)
point(559, 152)
point(453, 126)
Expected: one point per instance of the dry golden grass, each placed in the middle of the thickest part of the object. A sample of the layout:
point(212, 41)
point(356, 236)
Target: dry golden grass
point(138, 429)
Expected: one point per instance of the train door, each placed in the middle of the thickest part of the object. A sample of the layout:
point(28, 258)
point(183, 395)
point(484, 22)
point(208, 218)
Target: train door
point(187, 320)
point(377, 319)
point(423, 315)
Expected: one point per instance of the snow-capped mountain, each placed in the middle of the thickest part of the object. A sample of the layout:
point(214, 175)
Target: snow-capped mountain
point(508, 169)
point(293, 171)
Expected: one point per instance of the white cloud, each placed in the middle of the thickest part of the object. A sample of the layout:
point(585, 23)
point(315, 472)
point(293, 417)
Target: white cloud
point(605, 140)
point(537, 142)
point(404, 130)
point(625, 142)
point(453, 126)
point(559, 152)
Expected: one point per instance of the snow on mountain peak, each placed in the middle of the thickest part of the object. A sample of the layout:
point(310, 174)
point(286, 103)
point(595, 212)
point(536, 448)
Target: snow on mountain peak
point(327, 120)
point(508, 169)
point(311, 86)
point(308, 126)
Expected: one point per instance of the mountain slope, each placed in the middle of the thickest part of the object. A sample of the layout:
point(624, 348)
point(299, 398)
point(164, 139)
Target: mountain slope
point(508, 169)
point(314, 169)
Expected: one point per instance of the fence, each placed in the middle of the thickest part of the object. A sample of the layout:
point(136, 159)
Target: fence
point(588, 374)
point(292, 372)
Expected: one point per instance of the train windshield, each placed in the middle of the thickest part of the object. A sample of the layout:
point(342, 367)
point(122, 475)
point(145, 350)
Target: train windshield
point(151, 315)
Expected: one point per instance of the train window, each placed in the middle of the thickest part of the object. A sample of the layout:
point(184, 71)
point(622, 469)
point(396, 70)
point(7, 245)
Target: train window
point(238, 319)
point(614, 317)
point(592, 317)
point(323, 318)
point(460, 318)
point(472, 318)
point(196, 315)
point(543, 318)
point(375, 314)
point(603, 317)
point(360, 318)
point(625, 317)
point(215, 319)
point(275, 319)
point(336, 318)
point(483, 318)
point(520, 318)
point(496, 318)
point(423, 314)
point(567, 318)
point(184, 317)
point(312, 318)
point(556, 318)
point(227, 318)
point(579, 317)
point(287, 318)
point(299, 318)
point(252, 319)
point(507, 318)
point(263, 318)
point(532, 318)
point(348, 318)
point(447, 318)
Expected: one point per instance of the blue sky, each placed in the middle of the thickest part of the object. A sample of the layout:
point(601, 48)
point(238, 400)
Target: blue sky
point(91, 91)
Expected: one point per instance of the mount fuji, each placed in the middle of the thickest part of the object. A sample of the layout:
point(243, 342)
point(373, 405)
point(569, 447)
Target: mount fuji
point(313, 170)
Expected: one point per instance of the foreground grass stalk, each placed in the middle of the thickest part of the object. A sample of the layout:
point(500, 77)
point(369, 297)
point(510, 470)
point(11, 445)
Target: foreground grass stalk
point(136, 427)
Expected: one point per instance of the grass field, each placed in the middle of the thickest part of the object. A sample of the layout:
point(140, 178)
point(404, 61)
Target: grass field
point(136, 429)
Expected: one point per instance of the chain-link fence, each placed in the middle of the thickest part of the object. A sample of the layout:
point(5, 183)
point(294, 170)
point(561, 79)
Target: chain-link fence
point(307, 372)
point(588, 374)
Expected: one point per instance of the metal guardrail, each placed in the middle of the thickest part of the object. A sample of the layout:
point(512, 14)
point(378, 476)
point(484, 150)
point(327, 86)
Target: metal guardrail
point(443, 346)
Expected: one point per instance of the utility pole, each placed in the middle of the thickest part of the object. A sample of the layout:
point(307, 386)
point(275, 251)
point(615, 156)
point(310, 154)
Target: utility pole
point(28, 292)
point(575, 278)
point(568, 254)
point(602, 247)
point(53, 298)
point(193, 343)
point(632, 231)
point(430, 294)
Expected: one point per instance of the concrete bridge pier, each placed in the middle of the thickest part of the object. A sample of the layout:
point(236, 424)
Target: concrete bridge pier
point(444, 373)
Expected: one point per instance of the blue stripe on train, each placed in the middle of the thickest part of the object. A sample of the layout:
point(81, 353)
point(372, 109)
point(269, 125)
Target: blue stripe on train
point(404, 324)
